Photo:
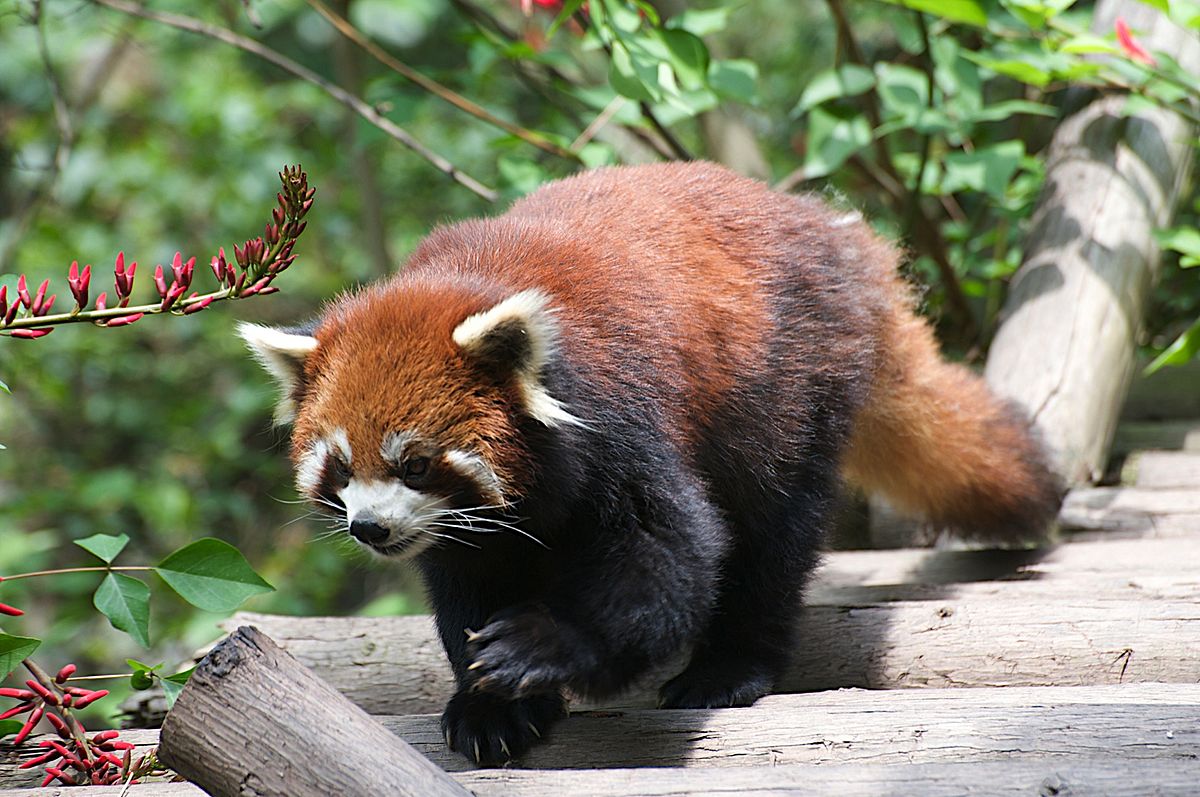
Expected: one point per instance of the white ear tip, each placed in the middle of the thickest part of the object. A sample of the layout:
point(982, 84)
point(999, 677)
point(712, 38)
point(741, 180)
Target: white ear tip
point(269, 340)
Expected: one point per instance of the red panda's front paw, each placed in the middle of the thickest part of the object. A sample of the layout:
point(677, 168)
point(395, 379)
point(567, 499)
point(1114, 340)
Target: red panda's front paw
point(520, 652)
point(492, 731)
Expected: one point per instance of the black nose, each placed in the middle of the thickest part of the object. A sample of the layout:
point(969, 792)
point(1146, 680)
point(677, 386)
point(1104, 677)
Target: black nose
point(368, 531)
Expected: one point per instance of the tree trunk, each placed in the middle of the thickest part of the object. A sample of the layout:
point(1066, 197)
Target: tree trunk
point(1065, 350)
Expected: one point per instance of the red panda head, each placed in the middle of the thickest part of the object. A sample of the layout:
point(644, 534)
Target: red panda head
point(408, 403)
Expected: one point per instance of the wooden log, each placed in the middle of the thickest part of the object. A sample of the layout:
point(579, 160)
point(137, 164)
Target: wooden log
point(1053, 775)
point(253, 721)
point(1066, 348)
point(1157, 723)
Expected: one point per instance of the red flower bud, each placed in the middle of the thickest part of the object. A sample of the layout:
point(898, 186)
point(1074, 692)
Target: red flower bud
point(46, 305)
point(67, 699)
point(53, 773)
point(49, 779)
point(18, 709)
point(3, 301)
point(102, 301)
point(124, 320)
point(159, 282)
point(105, 736)
point(43, 692)
point(36, 306)
point(33, 762)
point(176, 290)
point(23, 291)
point(1131, 48)
point(28, 726)
point(196, 307)
point(20, 694)
point(59, 725)
point(64, 674)
point(278, 215)
point(79, 282)
point(27, 334)
point(91, 698)
point(13, 611)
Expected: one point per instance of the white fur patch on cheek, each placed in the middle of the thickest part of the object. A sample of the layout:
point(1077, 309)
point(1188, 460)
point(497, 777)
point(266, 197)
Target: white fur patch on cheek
point(312, 464)
point(477, 470)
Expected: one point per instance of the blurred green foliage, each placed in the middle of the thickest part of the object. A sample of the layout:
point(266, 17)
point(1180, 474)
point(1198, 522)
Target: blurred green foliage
point(932, 123)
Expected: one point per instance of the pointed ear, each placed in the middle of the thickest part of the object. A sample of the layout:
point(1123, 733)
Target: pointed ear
point(282, 353)
point(518, 336)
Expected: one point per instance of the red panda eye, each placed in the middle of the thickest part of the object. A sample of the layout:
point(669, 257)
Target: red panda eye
point(339, 471)
point(415, 468)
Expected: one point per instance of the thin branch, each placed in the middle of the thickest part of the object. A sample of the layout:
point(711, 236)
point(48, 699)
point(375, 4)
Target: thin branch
point(356, 104)
point(598, 123)
point(433, 87)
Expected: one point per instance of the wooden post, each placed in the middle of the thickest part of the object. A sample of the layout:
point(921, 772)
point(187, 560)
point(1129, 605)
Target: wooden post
point(1065, 350)
point(253, 721)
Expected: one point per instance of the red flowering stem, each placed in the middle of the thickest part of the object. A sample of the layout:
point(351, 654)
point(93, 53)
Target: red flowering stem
point(76, 730)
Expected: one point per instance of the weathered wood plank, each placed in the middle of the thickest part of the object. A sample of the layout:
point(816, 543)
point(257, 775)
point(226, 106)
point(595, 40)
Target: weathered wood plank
point(1053, 775)
point(1165, 469)
point(1148, 512)
point(1157, 723)
point(1066, 348)
point(951, 641)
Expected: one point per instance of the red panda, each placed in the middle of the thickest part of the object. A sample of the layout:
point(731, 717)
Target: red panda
point(608, 426)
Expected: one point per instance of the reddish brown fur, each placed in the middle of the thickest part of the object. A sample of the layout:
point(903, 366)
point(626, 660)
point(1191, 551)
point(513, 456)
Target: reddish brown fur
point(675, 256)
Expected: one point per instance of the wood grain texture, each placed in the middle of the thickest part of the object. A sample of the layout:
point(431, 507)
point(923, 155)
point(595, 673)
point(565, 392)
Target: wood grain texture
point(1136, 510)
point(1066, 347)
point(1166, 469)
point(1051, 775)
point(1018, 727)
point(253, 721)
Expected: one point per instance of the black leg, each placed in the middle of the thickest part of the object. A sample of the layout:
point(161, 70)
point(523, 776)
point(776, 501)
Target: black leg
point(750, 638)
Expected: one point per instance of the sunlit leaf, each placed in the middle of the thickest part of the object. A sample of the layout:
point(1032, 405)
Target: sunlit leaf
point(212, 575)
point(847, 80)
point(1180, 352)
point(965, 11)
point(173, 684)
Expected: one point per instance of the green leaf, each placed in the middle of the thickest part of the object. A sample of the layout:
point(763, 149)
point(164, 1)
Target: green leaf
point(4, 387)
point(848, 80)
point(832, 139)
point(141, 679)
point(14, 650)
point(999, 111)
point(965, 11)
point(702, 22)
point(734, 79)
point(624, 78)
point(1011, 67)
point(1180, 352)
point(1185, 240)
point(688, 57)
point(987, 169)
point(105, 546)
point(125, 601)
point(10, 727)
point(173, 684)
point(1088, 43)
point(212, 575)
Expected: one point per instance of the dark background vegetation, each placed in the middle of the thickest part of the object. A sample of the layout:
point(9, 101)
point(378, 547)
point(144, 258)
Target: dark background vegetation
point(162, 430)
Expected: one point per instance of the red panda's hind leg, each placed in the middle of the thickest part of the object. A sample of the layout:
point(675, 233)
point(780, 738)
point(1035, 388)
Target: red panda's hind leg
point(749, 641)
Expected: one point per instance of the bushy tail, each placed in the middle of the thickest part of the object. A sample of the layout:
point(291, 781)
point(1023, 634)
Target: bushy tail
point(936, 443)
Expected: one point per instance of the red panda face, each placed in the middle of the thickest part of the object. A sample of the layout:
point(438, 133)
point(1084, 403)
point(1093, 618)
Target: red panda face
point(407, 405)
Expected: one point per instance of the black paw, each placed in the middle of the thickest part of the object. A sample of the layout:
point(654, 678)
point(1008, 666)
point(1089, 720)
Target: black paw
point(519, 653)
point(492, 731)
point(715, 686)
